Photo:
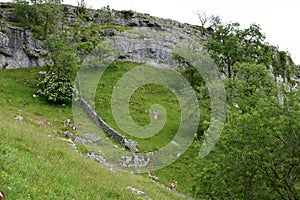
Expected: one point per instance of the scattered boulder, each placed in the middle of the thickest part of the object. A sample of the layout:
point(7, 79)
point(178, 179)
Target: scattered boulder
point(152, 176)
point(99, 159)
point(134, 161)
point(175, 143)
point(87, 138)
point(68, 134)
point(138, 192)
point(155, 115)
point(19, 118)
point(40, 120)
point(42, 74)
point(50, 137)
point(80, 140)
point(91, 138)
point(235, 105)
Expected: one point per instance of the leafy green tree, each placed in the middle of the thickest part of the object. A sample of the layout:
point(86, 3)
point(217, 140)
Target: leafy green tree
point(26, 12)
point(252, 83)
point(229, 45)
point(52, 14)
point(258, 153)
point(261, 151)
point(283, 65)
point(42, 16)
point(58, 83)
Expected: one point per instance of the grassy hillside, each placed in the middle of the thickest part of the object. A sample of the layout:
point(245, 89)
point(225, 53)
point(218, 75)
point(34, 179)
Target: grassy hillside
point(36, 164)
point(140, 103)
point(142, 99)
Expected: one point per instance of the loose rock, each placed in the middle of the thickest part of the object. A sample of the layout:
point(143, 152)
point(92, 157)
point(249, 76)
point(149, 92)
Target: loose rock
point(19, 118)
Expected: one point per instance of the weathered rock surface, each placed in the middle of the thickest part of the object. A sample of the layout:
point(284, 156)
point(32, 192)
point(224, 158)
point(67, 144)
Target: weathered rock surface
point(138, 192)
point(149, 40)
point(134, 161)
point(18, 47)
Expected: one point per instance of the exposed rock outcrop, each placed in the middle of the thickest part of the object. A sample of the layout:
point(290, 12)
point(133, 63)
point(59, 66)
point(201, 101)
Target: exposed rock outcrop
point(18, 47)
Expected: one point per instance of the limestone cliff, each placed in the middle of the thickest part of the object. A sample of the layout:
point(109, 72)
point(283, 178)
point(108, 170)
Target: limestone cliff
point(18, 47)
point(137, 37)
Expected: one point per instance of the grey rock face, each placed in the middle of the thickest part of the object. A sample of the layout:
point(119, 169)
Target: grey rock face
point(148, 45)
point(19, 49)
point(9, 15)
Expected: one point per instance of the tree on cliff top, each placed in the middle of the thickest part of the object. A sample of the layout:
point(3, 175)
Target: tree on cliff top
point(42, 16)
point(230, 44)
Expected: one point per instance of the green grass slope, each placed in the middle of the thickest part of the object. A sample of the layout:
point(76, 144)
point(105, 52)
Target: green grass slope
point(141, 101)
point(183, 169)
point(35, 166)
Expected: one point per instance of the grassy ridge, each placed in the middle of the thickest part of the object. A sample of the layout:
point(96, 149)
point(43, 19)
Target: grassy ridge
point(34, 166)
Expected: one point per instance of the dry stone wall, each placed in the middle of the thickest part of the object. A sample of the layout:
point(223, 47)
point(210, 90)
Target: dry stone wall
point(132, 145)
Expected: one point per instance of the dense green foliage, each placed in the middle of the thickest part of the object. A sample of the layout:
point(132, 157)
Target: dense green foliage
point(230, 45)
point(283, 65)
point(57, 86)
point(257, 156)
point(42, 16)
point(45, 19)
